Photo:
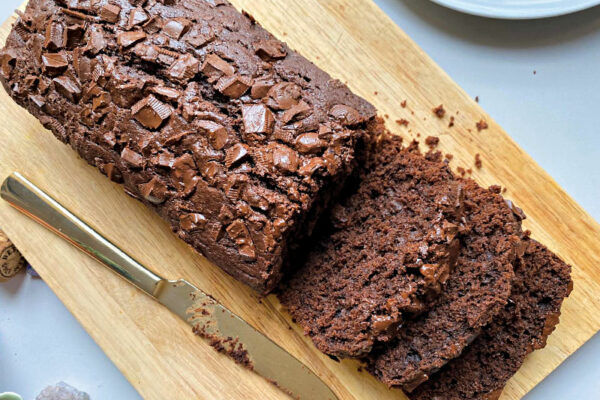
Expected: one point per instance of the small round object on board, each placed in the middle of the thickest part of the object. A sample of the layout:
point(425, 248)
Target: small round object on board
point(518, 9)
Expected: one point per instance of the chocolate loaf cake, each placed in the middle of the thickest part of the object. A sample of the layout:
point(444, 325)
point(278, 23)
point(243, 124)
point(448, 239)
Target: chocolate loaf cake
point(235, 139)
point(476, 291)
point(542, 282)
point(384, 253)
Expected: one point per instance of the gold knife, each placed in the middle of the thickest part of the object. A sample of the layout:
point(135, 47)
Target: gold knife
point(207, 317)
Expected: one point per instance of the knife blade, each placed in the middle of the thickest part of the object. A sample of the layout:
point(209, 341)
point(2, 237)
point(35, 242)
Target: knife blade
point(207, 316)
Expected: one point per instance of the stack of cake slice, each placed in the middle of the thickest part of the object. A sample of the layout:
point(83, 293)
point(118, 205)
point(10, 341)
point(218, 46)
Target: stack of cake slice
point(428, 278)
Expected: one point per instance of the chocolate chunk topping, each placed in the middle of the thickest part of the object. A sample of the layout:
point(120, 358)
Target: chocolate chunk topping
point(233, 86)
point(54, 36)
point(261, 88)
point(184, 69)
point(214, 67)
point(166, 92)
point(284, 96)
point(127, 39)
point(284, 158)
point(54, 63)
point(216, 132)
point(151, 112)
point(67, 87)
point(345, 114)
point(133, 158)
point(235, 154)
point(73, 36)
point(184, 174)
point(191, 222)
point(154, 191)
point(309, 143)
point(270, 50)
point(238, 232)
point(257, 119)
point(137, 16)
point(298, 111)
point(177, 27)
point(110, 13)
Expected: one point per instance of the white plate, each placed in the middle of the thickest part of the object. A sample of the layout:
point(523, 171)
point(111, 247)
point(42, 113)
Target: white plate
point(518, 9)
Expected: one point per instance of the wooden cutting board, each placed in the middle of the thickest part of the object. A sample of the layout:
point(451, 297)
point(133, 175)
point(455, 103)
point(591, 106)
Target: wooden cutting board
point(358, 43)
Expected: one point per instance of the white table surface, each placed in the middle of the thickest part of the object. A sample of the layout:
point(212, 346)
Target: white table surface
point(552, 114)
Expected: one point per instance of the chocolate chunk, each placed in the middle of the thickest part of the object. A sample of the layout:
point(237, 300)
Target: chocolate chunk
point(257, 119)
point(238, 232)
point(261, 87)
point(233, 86)
point(67, 87)
point(311, 166)
point(54, 63)
point(154, 191)
point(184, 176)
point(284, 96)
point(101, 101)
point(192, 221)
point(177, 27)
point(127, 39)
point(345, 114)
point(132, 158)
point(235, 154)
point(73, 36)
point(146, 53)
point(113, 173)
point(200, 40)
point(284, 158)
point(309, 143)
point(184, 69)
point(216, 132)
point(518, 212)
point(299, 111)
point(384, 325)
point(270, 49)
point(151, 112)
point(137, 16)
point(54, 36)
point(110, 13)
point(39, 101)
point(166, 92)
point(215, 67)
point(96, 41)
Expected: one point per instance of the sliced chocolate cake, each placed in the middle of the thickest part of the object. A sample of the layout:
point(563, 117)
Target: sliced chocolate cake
point(542, 282)
point(385, 252)
point(477, 290)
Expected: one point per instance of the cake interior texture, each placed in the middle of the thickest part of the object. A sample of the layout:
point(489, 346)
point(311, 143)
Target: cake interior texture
point(237, 141)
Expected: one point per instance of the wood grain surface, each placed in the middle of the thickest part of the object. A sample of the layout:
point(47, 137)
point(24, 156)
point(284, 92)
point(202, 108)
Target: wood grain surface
point(159, 355)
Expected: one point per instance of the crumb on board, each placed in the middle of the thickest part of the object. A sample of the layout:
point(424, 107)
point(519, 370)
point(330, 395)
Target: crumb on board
point(403, 104)
point(432, 141)
point(481, 125)
point(386, 116)
point(439, 111)
point(449, 156)
point(359, 369)
point(402, 122)
point(477, 99)
point(504, 189)
point(478, 163)
point(375, 93)
point(418, 134)
point(469, 171)
point(451, 124)
point(461, 171)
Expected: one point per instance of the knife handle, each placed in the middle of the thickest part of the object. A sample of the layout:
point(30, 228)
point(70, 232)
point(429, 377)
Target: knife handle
point(33, 202)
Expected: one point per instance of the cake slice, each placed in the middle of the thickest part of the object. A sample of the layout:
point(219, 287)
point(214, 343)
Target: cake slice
point(237, 141)
point(542, 281)
point(385, 252)
point(476, 291)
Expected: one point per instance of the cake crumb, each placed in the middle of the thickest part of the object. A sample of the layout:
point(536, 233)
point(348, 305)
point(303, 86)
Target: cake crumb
point(432, 141)
point(403, 104)
point(504, 189)
point(481, 125)
point(418, 134)
point(469, 171)
point(451, 124)
point(449, 156)
point(402, 122)
point(478, 163)
point(439, 111)
point(461, 171)
point(375, 93)
point(359, 369)
point(477, 99)
point(386, 116)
